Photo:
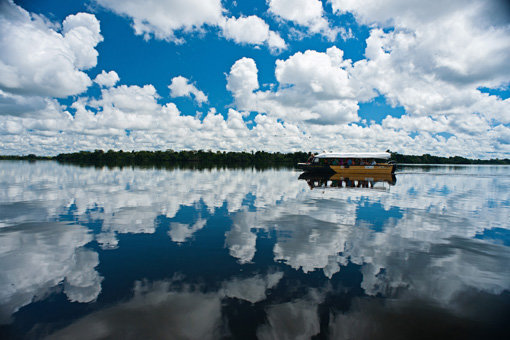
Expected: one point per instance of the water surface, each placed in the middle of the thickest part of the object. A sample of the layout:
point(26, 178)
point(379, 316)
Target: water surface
point(147, 253)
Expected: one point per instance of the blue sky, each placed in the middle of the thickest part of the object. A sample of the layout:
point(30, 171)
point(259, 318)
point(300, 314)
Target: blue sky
point(276, 75)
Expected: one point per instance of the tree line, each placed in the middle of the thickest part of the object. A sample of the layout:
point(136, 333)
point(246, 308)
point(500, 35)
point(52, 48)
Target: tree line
point(430, 159)
point(201, 158)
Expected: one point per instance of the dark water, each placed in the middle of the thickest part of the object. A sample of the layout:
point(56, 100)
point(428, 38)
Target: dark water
point(135, 253)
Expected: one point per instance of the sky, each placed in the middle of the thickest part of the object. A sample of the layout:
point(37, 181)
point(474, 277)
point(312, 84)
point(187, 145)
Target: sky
point(410, 76)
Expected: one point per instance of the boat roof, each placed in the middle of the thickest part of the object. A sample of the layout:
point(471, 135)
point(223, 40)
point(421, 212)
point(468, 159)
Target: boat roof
point(378, 155)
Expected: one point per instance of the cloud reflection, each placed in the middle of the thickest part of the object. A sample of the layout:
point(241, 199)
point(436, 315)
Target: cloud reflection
point(180, 232)
point(37, 257)
point(169, 309)
point(432, 250)
point(297, 319)
point(155, 312)
point(252, 289)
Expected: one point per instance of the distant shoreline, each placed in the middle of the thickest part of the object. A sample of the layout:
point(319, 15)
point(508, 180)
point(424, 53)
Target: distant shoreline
point(222, 158)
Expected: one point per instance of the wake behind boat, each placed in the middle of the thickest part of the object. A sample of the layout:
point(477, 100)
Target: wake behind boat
point(350, 163)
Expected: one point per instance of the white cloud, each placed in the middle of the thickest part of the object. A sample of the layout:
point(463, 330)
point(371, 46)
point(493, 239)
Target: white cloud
point(415, 13)
point(275, 42)
point(307, 13)
point(242, 81)
point(180, 87)
point(398, 69)
point(37, 60)
point(313, 105)
point(460, 125)
point(82, 33)
point(251, 30)
point(313, 87)
point(105, 79)
point(169, 19)
point(19, 105)
point(155, 126)
point(426, 71)
point(303, 12)
point(163, 18)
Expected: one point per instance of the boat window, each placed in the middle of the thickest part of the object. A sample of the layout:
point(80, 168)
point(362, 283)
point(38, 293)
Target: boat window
point(316, 160)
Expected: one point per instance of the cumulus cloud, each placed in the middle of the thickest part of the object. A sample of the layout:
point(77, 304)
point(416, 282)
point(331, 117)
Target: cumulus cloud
point(313, 86)
point(436, 83)
point(37, 60)
point(170, 19)
point(19, 105)
point(180, 87)
point(242, 81)
point(307, 13)
point(312, 105)
point(420, 68)
point(252, 30)
point(162, 19)
point(107, 79)
point(131, 117)
point(393, 70)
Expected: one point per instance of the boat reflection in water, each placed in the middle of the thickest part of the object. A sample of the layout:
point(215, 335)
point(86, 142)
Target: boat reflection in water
point(373, 181)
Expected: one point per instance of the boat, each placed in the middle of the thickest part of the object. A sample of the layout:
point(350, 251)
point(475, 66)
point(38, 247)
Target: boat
point(350, 163)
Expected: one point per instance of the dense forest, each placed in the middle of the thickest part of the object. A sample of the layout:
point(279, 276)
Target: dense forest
point(429, 159)
point(203, 158)
point(170, 158)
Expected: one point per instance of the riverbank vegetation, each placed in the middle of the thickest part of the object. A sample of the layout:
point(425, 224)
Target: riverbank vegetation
point(203, 158)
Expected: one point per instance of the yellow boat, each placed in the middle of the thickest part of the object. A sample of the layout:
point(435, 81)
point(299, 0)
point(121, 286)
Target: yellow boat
point(350, 163)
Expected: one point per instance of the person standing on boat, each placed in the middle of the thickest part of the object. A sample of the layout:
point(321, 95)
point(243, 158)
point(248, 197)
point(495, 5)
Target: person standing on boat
point(349, 162)
point(310, 159)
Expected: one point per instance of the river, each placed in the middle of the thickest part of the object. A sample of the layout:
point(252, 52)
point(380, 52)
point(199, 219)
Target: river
point(90, 253)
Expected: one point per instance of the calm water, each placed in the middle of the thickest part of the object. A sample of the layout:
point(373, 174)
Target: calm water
point(140, 253)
